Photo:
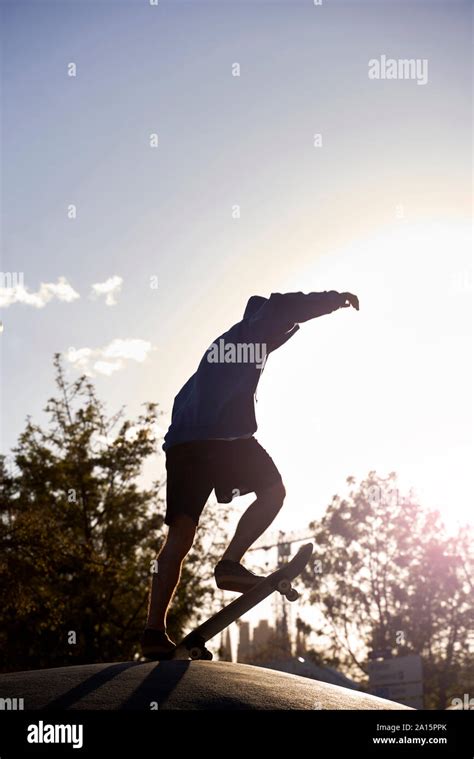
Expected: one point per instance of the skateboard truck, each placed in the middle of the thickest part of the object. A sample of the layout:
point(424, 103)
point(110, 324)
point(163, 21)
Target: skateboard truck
point(196, 647)
point(285, 587)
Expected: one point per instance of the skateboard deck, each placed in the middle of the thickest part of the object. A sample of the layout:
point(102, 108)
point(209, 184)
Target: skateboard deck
point(193, 645)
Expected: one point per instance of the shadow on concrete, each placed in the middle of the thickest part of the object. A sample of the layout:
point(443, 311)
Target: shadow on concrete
point(155, 687)
point(66, 700)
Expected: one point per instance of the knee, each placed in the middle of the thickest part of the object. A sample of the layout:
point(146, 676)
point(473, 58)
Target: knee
point(274, 495)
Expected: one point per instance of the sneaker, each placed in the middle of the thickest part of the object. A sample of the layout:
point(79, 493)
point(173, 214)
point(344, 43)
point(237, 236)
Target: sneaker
point(230, 575)
point(155, 644)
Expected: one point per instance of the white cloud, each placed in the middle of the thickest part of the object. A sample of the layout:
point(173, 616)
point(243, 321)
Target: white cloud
point(79, 357)
point(129, 349)
point(110, 288)
point(107, 367)
point(109, 359)
point(61, 290)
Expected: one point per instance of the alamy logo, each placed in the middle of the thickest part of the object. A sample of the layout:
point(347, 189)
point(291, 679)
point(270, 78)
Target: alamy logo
point(399, 68)
point(12, 704)
point(42, 733)
point(463, 703)
point(237, 353)
point(11, 279)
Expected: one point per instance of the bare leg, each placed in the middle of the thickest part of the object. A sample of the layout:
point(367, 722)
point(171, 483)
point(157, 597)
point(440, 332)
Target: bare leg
point(259, 515)
point(165, 581)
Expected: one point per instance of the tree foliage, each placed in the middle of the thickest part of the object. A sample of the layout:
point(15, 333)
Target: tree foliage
point(78, 536)
point(388, 576)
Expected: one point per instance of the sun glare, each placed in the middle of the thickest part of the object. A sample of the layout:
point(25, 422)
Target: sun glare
point(388, 388)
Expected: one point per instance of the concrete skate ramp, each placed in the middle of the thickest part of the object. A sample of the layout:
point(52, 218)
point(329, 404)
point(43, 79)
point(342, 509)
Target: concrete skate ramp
point(178, 685)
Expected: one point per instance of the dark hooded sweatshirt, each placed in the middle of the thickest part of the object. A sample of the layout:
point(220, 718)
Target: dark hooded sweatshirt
point(218, 400)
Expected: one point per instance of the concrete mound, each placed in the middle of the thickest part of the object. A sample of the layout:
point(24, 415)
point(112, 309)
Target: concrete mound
point(197, 685)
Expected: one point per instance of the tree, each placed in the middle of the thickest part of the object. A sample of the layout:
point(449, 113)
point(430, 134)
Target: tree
point(78, 536)
point(388, 576)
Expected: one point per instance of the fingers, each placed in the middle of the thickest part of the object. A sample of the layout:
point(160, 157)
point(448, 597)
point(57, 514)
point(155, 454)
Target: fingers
point(353, 301)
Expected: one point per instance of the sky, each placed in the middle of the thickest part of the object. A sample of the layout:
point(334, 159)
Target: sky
point(130, 259)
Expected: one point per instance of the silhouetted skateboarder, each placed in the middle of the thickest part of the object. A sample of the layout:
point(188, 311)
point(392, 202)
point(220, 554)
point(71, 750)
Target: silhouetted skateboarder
point(210, 445)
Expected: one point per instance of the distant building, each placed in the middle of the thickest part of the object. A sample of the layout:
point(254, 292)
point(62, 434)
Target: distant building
point(225, 651)
point(261, 644)
point(245, 646)
point(262, 633)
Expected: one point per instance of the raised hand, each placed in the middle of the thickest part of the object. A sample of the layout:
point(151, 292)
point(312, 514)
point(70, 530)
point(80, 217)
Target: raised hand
point(353, 301)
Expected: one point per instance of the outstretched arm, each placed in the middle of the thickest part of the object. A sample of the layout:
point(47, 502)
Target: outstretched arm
point(299, 307)
point(283, 310)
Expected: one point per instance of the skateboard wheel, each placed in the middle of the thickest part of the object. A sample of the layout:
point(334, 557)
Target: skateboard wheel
point(284, 586)
point(196, 652)
point(292, 595)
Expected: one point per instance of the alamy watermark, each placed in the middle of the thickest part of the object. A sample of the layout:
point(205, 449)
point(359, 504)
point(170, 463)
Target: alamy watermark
point(377, 496)
point(463, 703)
point(237, 353)
point(12, 704)
point(47, 733)
point(11, 279)
point(399, 68)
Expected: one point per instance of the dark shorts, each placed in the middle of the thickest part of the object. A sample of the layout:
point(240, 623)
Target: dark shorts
point(230, 467)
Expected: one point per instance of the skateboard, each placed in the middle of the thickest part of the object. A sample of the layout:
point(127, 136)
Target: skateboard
point(193, 645)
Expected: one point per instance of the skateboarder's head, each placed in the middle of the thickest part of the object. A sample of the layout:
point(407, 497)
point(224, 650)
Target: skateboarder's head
point(253, 305)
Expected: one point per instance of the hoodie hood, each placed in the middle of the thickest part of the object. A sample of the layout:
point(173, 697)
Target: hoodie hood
point(255, 302)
